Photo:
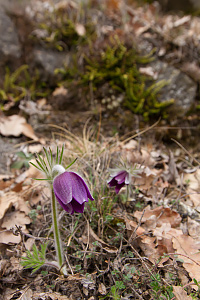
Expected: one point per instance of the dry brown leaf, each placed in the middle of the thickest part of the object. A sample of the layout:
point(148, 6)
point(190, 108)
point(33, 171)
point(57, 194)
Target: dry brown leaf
point(29, 243)
point(189, 250)
point(144, 182)
point(35, 148)
point(5, 181)
point(180, 293)
point(7, 237)
point(193, 187)
point(15, 218)
point(130, 153)
point(12, 218)
point(60, 91)
point(164, 235)
point(158, 216)
point(156, 222)
point(9, 199)
point(15, 126)
point(148, 244)
point(131, 226)
point(6, 201)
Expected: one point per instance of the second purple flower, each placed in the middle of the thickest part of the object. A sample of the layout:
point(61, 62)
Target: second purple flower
point(119, 179)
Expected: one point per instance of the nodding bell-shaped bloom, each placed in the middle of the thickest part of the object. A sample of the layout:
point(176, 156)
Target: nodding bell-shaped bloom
point(71, 192)
point(119, 179)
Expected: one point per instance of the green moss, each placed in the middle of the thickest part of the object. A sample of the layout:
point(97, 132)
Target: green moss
point(19, 84)
point(118, 67)
point(63, 32)
point(115, 78)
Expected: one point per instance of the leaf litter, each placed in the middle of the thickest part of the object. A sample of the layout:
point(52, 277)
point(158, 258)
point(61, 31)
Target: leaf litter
point(119, 248)
point(155, 232)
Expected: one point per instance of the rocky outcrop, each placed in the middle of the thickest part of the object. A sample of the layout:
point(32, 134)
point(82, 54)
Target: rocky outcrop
point(180, 87)
point(45, 59)
point(10, 48)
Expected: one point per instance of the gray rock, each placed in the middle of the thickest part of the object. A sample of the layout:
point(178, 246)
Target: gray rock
point(47, 60)
point(181, 87)
point(10, 47)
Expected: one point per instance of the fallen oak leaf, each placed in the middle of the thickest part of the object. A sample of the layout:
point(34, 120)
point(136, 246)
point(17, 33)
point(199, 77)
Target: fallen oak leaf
point(9, 221)
point(188, 251)
point(15, 126)
point(180, 293)
point(9, 199)
point(146, 243)
point(15, 218)
point(193, 187)
point(7, 237)
point(6, 202)
point(130, 153)
point(160, 215)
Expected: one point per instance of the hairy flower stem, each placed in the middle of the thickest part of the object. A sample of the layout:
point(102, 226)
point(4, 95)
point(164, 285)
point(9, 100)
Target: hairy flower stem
point(57, 239)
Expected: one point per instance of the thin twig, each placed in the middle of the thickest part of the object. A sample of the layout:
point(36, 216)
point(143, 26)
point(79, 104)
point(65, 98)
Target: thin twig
point(138, 225)
point(186, 151)
point(136, 293)
point(67, 260)
point(168, 254)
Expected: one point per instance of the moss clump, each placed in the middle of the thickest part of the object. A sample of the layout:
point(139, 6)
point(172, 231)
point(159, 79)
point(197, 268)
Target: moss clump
point(20, 83)
point(118, 68)
point(60, 30)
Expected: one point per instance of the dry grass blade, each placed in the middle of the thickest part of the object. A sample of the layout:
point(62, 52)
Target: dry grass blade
point(186, 151)
point(140, 133)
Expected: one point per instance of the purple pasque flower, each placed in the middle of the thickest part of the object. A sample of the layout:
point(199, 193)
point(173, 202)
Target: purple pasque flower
point(71, 192)
point(119, 179)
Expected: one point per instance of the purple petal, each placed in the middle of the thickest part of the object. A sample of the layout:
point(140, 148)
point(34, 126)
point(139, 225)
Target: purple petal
point(62, 186)
point(77, 207)
point(121, 177)
point(118, 187)
point(67, 207)
point(80, 190)
point(112, 182)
